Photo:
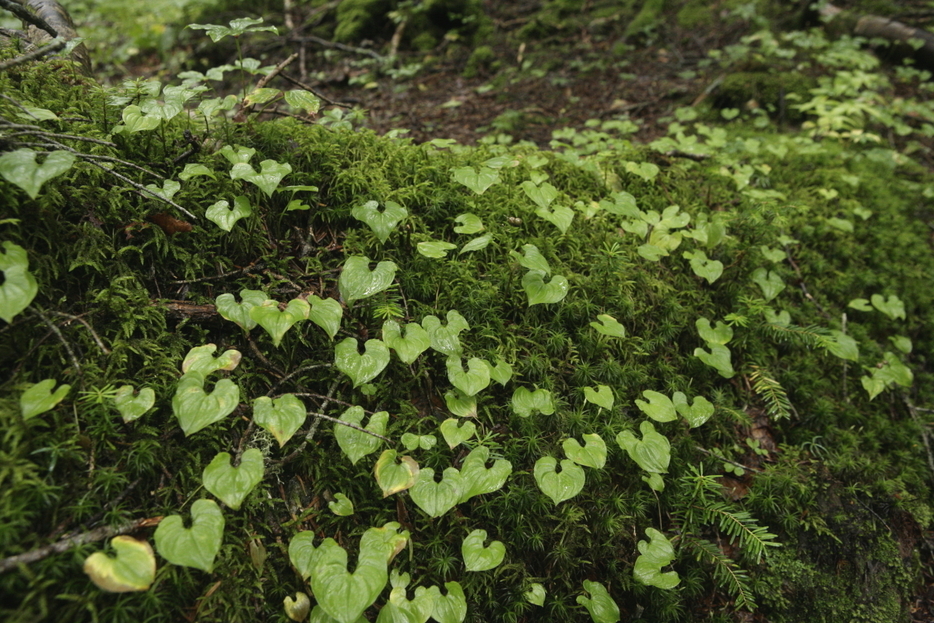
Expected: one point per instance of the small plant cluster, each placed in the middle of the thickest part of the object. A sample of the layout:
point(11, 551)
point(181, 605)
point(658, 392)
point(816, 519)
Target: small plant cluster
point(527, 307)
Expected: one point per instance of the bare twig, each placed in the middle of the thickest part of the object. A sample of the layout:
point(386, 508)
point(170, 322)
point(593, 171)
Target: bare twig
point(30, 18)
point(349, 425)
point(339, 46)
point(55, 46)
point(288, 376)
point(315, 93)
point(243, 271)
point(44, 134)
point(87, 325)
point(924, 433)
point(725, 460)
point(55, 330)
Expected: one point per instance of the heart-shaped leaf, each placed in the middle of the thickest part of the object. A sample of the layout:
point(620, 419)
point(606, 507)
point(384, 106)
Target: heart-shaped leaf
point(536, 594)
point(131, 405)
point(645, 170)
point(357, 281)
point(450, 608)
point(168, 190)
point(297, 609)
point(721, 335)
point(194, 170)
point(413, 442)
point(435, 249)
point(230, 309)
point(532, 259)
point(703, 267)
point(608, 325)
point(653, 555)
point(501, 372)
point(444, 339)
point(393, 477)
point(201, 359)
point(459, 404)
point(478, 243)
point(267, 179)
point(559, 216)
point(602, 396)
point(408, 348)
point(652, 452)
point(542, 195)
point(526, 402)
point(621, 204)
point(133, 569)
point(400, 609)
point(478, 479)
point(341, 506)
point(302, 553)
point(134, 120)
point(477, 181)
point(303, 100)
point(281, 417)
point(436, 498)
point(196, 546)
point(382, 222)
point(559, 486)
point(697, 413)
point(844, 346)
point(652, 252)
point(39, 398)
point(357, 444)
point(769, 282)
point(261, 95)
point(592, 454)
point(276, 322)
point(772, 255)
point(237, 154)
point(456, 432)
point(233, 484)
point(19, 287)
point(659, 407)
point(326, 313)
point(480, 558)
point(719, 358)
point(600, 605)
point(894, 308)
point(539, 292)
point(19, 167)
point(471, 381)
point(469, 224)
point(226, 217)
point(361, 368)
point(197, 409)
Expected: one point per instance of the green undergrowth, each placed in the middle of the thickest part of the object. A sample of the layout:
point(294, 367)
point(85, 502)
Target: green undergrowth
point(791, 500)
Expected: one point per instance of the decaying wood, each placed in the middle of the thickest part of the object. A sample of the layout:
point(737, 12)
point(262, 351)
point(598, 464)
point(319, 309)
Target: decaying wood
point(901, 35)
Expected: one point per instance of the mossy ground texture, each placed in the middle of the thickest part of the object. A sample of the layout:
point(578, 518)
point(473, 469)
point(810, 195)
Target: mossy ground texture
point(801, 498)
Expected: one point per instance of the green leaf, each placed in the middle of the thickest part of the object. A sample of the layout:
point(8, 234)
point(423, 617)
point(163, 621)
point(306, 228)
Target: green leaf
point(196, 546)
point(304, 100)
point(196, 409)
point(708, 269)
point(456, 432)
point(194, 170)
point(435, 249)
point(893, 307)
point(267, 179)
point(261, 96)
point(237, 154)
point(436, 498)
point(477, 181)
point(659, 407)
point(450, 608)
point(608, 325)
point(19, 287)
point(718, 358)
point(621, 204)
point(540, 293)
point(326, 313)
point(276, 322)
point(653, 555)
point(237, 28)
point(769, 282)
point(652, 453)
point(772, 255)
point(302, 553)
point(31, 113)
point(399, 609)
point(297, 609)
point(412, 442)
point(697, 413)
point(444, 338)
point(240, 312)
point(477, 478)
point(341, 506)
point(525, 402)
point(40, 398)
point(226, 217)
point(135, 121)
point(480, 558)
point(501, 372)
point(900, 342)
point(592, 454)
point(459, 404)
point(19, 167)
point(361, 368)
point(133, 569)
point(393, 477)
point(281, 417)
point(542, 195)
point(474, 380)
point(382, 222)
point(132, 406)
point(532, 259)
point(469, 224)
point(477, 244)
point(559, 216)
point(201, 359)
point(536, 594)
point(354, 443)
point(408, 348)
point(233, 484)
point(841, 345)
point(600, 605)
point(357, 281)
point(721, 335)
point(860, 304)
point(651, 252)
point(559, 486)
point(169, 189)
point(645, 170)
point(602, 396)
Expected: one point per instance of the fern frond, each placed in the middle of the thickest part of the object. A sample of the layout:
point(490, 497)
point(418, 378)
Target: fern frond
point(742, 528)
point(772, 393)
point(727, 574)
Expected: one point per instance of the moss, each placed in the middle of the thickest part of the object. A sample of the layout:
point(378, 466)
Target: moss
point(772, 91)
point(696, 14)
point(361, 19)
point(480, 61)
